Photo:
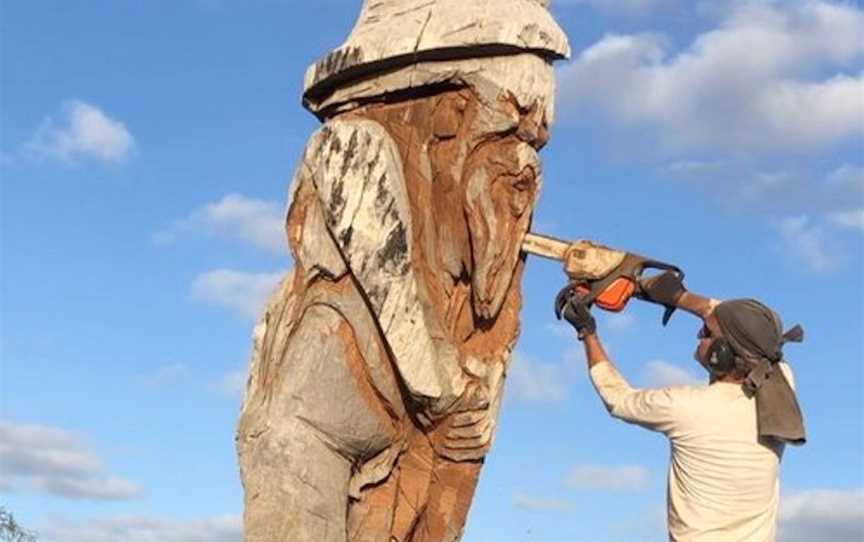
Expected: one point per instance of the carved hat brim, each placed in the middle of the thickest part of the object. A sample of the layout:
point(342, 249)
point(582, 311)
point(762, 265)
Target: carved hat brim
point(391, 34)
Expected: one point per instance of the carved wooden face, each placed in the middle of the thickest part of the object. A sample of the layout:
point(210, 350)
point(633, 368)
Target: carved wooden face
point(477, 148)
point(502, 179)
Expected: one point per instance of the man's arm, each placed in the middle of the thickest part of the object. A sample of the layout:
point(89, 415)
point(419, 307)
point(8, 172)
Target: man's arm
point(653, 409)
point(696, 304)
point(594, 351)
point(667, 289)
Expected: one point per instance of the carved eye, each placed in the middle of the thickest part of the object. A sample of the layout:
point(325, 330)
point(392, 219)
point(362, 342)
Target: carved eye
point(523, 182)
point(522, 191)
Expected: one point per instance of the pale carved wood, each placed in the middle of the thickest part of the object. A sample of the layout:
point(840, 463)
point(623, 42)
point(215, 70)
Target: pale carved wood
point(379, 364)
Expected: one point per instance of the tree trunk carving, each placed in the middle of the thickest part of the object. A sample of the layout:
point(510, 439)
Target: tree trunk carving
point(379, 364)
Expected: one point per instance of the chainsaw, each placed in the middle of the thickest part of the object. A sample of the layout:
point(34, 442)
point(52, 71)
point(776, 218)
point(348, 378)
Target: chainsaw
point(604, 276)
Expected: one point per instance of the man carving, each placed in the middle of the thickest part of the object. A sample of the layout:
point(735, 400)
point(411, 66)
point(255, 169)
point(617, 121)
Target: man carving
point(379, 363)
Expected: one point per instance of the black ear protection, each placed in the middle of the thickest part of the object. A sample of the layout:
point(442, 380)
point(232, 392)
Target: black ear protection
point(721, 357)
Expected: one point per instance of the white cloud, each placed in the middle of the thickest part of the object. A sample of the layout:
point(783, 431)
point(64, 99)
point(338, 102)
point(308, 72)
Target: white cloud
point(745, 85)
point(29, 450)
point(56, 461)
point(849, 219)
point(741, 185)
point(531, 381)
point(576, 360)
point(613, 321)
point(85, 132)
point(103, 489)
point(660, 374)
point(540, 504)
point(844, 188)
point(228, 528)
point(694, 169)
point(808, 243)
point(814, 207)
point(627, 7)
point(165, 375)
point(561, 330)
point(233, 383)
point(822, 514)
point(246, 293)
point(619, 321)
point(256, 221)
point(229, 384)
point(622, 478)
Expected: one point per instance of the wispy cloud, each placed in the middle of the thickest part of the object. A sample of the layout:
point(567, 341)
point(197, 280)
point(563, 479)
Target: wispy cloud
point(737, 87)
point(626, 7)
point(165, 375)
point(849, 219)
point(57, 462)
point(245, 293)
point(619, 321)
point(845, 186)
point(104, 489)
point(660, 374)
point(807, 243)
point(256, 221)
point(806, 210)
point(736, 111)
point(613, 478)
point(85, 131)
point(129, 528)
point(822, 514)
point(233, 383)
point(561, 330)
point(837, 194)
point(532, 381)
point(540, 504)
point(613, 321)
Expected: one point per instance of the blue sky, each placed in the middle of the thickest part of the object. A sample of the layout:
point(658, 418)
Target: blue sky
point(146, 152)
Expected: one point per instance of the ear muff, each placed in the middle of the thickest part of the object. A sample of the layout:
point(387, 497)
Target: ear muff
point(721, 357)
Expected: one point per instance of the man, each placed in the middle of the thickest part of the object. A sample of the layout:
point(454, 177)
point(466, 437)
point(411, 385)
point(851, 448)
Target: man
point(727, 437)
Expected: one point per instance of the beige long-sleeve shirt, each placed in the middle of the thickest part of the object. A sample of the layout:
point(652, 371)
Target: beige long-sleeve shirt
point(723, 484)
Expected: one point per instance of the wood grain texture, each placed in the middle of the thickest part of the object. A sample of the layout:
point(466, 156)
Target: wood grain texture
point(379, 365)
point(391, 34)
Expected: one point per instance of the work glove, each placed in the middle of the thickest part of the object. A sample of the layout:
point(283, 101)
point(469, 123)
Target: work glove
point(663, 289)
point(571, 305)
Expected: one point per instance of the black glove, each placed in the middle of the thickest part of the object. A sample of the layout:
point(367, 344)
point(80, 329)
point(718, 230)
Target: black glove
point(663, 289)
point(571, 305)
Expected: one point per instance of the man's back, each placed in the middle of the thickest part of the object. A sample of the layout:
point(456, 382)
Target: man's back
point(723, 483)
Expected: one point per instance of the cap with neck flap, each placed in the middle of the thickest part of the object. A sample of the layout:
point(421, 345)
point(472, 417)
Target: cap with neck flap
point(392, 34)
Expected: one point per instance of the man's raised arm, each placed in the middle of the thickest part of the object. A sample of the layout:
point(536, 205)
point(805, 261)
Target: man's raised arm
point(667, 289)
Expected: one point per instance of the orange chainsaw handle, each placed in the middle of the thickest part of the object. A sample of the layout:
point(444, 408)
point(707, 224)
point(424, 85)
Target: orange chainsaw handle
point(613, 291)
point(614, 298)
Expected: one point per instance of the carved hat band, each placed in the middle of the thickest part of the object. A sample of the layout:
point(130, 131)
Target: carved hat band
point(392, 34)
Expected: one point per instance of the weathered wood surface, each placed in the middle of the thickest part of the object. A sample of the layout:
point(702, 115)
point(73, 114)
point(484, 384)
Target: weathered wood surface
point(390, 34)
point(379, 364)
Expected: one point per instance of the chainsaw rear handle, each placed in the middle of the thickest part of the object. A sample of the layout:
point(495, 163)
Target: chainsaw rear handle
point(630, 269)
point(662, 266)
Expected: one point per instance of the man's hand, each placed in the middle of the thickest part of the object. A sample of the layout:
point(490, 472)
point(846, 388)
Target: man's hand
point(663, 289)
point(571, 305)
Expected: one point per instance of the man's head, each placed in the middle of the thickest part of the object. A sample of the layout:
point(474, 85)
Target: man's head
point(736, 336)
